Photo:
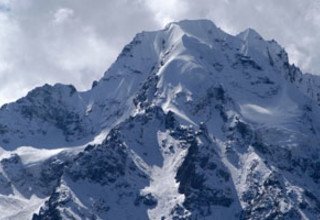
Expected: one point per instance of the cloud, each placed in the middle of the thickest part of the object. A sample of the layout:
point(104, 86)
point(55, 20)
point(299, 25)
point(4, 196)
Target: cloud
point(76, 41)
point(167, 11)
point(63, 14)
point(63, 41)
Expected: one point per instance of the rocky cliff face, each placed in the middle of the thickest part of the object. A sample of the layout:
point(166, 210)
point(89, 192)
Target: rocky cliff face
point(188, 123)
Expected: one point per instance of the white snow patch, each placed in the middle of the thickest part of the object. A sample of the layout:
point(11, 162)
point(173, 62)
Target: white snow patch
point(17, 208)
point(255, 109)
point(163, 182)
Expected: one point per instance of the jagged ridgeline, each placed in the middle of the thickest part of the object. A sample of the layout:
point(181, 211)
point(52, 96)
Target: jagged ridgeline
point(188, 123)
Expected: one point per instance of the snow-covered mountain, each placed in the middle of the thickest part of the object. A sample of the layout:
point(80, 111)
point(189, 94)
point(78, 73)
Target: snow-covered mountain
point(188, 123)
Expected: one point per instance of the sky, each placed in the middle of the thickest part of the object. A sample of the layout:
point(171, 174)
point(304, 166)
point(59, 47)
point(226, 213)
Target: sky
point(75, 41)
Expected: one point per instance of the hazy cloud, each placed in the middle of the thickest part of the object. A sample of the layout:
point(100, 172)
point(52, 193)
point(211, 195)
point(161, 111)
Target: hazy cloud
point(63, 40)
point(75, 41)
point(63, 14)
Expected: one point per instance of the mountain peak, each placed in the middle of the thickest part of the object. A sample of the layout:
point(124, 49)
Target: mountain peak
point(250, 34)
point(192, 23)
point(200, 29)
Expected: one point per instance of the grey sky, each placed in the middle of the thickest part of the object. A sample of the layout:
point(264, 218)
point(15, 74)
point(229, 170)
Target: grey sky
point(75, 41)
